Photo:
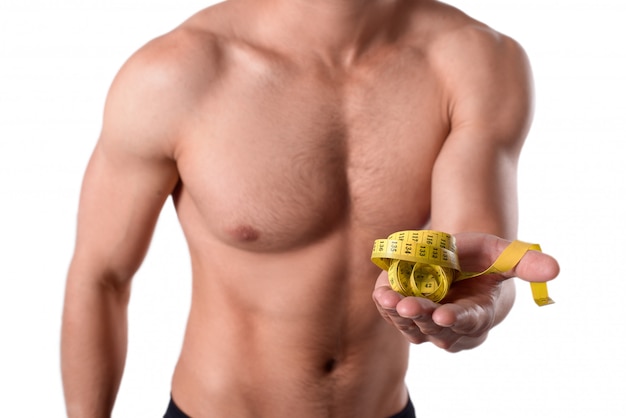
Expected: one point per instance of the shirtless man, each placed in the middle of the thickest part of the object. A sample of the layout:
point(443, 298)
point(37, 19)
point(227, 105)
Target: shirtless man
point(291, 135)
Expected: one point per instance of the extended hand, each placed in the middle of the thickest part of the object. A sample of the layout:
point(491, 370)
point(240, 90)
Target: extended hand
point(472, 307)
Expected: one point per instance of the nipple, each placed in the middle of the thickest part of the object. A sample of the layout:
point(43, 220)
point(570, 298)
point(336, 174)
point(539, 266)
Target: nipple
point(245, 233)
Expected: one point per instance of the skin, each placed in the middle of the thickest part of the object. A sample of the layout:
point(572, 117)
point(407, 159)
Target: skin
point(291, 135)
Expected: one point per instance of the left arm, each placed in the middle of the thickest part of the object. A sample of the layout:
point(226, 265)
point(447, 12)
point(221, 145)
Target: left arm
point(475, 176)
point(489, 96)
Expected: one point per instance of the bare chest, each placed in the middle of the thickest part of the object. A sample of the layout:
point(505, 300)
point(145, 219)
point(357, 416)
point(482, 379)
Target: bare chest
point(276, 163)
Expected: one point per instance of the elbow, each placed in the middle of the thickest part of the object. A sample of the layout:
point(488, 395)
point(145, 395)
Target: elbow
point(90, 276)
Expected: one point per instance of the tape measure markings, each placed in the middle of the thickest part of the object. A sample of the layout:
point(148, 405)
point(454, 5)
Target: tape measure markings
point(424, 263)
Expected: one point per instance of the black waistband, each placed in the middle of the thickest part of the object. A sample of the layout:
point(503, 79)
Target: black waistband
point(173, 411)
point(407, 412)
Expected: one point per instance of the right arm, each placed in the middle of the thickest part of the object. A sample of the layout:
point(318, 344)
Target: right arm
point(130, 175)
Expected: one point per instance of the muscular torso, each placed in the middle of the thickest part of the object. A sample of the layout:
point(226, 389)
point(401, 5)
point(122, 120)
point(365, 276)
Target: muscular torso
point(289, 169)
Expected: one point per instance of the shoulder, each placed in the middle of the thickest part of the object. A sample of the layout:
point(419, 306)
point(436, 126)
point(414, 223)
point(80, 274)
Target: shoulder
point(485, 75)
point(456, 40)
point(152, 93)
point(174, 63)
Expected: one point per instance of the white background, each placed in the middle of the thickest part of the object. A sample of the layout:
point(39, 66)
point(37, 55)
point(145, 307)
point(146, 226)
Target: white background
point(57, 60)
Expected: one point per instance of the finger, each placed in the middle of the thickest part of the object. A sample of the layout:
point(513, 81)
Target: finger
point(416, 308)
point(384, 296)
point(387, 301)
point(468, 320)
point(419, 311)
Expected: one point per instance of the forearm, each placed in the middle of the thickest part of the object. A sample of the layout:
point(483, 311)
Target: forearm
point(93, 345)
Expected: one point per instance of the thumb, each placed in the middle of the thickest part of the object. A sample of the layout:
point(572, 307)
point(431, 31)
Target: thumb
point(477, 251)
point(536, 266)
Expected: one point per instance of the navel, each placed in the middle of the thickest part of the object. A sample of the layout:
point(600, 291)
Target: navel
point(330, 365)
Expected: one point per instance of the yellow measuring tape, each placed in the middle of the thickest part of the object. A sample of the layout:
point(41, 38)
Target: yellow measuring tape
point(425, 264)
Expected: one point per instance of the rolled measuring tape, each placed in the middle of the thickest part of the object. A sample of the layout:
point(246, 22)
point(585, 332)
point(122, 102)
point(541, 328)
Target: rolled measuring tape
point(425, 264)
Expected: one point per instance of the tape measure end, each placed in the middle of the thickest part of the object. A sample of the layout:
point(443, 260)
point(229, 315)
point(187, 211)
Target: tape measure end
point(544, 302)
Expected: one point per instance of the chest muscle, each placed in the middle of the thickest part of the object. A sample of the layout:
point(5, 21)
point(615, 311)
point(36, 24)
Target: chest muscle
point(279, 164)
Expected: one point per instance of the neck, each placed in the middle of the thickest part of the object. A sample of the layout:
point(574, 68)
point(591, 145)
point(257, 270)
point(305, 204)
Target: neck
point(337, 31)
